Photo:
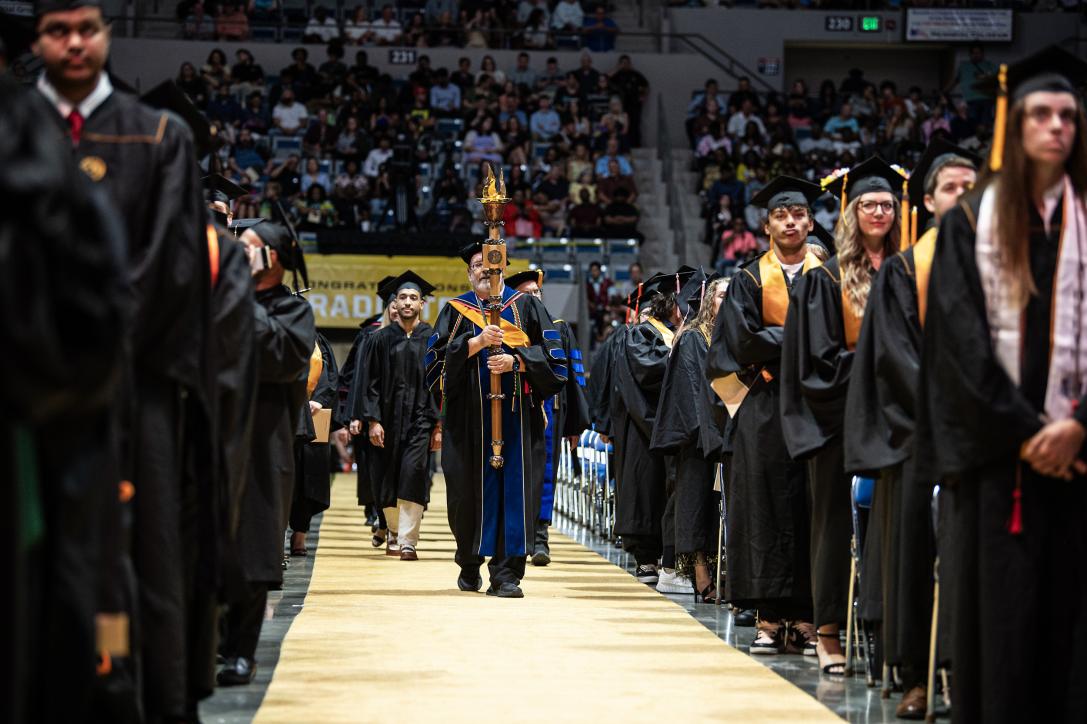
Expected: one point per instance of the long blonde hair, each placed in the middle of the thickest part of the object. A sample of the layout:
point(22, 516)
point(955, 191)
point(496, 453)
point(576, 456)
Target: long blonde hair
point(707, 315)
point(856, 269)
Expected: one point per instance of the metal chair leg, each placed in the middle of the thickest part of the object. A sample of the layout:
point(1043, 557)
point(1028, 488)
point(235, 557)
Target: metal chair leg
point(930, 692)
point(851, 617)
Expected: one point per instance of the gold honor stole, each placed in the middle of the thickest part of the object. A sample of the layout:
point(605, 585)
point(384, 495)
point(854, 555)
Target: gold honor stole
point(775, 292)
point(316, 366)
point(923, 252)
point(512, 335)
point(851, 321)
point(669, 335)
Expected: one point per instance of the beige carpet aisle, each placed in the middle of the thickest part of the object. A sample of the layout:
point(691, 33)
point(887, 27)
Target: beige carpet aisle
point(380, 640)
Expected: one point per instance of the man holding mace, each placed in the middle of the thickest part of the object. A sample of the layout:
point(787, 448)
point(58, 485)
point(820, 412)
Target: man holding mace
point(493, 359)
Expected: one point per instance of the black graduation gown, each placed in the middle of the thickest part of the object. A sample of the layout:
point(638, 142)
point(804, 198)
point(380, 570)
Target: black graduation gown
point(145, 160)
point(689, 424)
point(313, 477)
point(601, 382)
point(972, 421)
point(397, 397)
point(284, 339)
point(765, 492)
point(640, 360)
point(878, 440)
point(815, 368)
point(63, 356)
point(493, 512)
point(567, 416)
point(353, 375)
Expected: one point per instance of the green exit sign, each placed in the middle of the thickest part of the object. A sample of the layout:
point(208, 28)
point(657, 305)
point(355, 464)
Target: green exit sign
point(871, 24)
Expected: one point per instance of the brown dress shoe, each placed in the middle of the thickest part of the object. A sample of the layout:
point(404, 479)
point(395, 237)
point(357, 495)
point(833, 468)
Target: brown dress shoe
point(912, 705)
point(407, 553)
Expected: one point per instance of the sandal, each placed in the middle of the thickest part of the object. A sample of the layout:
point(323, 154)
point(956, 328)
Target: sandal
point(706, 595)
point(379, 537)
point(828, 662)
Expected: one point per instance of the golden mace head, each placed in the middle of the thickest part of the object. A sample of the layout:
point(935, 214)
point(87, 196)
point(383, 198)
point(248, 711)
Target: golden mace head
point(493, 194)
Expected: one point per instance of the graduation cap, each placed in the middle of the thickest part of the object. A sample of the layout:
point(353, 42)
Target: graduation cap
point(238, 226)
point(283, 240)
point(468, 251)
point(384, 281)
point(41, 7)
point(872, 174)
point(939, 154)
point(692, 287)
point(693, 298)
point(787, 191)
point(821, 235)
point(529, 275)
point(169, 97)
point(219, 188)
point(391, 286)
point(1050, 69)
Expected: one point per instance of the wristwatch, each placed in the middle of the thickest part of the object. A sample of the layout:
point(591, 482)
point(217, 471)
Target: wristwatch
point(516, 363)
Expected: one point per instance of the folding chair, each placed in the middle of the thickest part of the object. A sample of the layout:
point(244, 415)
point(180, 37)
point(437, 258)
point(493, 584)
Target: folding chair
point(722, 531)
point(930, 693)
point(860, 499)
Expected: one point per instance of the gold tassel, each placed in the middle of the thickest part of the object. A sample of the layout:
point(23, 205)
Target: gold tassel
point(913, 226)
point(845, 194)
point(904, 242)
point(996, 155)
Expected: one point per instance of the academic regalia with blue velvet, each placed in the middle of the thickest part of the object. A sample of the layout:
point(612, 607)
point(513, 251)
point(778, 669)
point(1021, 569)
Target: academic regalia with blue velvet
point(567, 416)
point(492, 512)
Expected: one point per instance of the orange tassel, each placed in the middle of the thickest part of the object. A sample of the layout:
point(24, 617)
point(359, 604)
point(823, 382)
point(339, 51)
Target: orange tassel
point(845, 195)
point(913, 226)
point(904, 242)
point(996, 155)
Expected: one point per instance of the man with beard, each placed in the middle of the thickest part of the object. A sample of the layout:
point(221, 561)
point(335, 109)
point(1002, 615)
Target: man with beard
point(145, 162)
point(285, 340)
point(765, 490)
point(398, 414)
point(491, 508)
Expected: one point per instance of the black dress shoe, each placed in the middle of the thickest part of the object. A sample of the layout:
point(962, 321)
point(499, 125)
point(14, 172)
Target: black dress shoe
point(238, 671)
point(469, 584)
point(506, 590)
point(744, 619)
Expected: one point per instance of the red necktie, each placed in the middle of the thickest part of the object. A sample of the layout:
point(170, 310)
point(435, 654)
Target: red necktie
point(75, 125)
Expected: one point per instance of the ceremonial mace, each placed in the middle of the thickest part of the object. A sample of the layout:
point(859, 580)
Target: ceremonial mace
point(494, 202)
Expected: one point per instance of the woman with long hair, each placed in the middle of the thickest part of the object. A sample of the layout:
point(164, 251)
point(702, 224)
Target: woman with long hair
point(1003, 403)
point(690, 425)
point(821, 332)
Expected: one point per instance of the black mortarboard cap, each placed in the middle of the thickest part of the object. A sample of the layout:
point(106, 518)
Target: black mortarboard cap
point(787, 191)
point(385, 280)
point(41, 7)
point(168, 96)
point(528, 275)
point(238, 226)
point(821, 235)
point(468, 251)
point(691, 285)
point(389, 289)
point(659, 283)
point(873, 174)
point(219, 188)
point(693, 298)
point(1050, 69)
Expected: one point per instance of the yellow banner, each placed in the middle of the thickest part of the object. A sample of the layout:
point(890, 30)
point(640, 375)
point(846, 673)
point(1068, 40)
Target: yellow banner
point(343, 287)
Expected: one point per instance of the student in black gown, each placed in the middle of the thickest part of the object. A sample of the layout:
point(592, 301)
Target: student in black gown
point(492, 510)
point(1003, 405)
point(312, 471)
point(821, 331)
point(769, 567)
point(285, 339)
point(64, 305)
point(145, 162)
point(567, 416)
point(690, 424)
point(398, 414)
point(880, 411)
point(640, 357)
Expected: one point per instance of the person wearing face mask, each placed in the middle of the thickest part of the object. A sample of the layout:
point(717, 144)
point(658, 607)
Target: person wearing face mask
point(1003, 402)
point(285, 340)
point(821, 328)
point(492, 510)
point(397, 414)
point(880, 411)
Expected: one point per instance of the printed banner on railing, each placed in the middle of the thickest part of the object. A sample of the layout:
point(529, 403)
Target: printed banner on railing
point(343, 287)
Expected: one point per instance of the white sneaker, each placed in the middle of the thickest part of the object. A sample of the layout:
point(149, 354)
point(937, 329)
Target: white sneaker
point(670, 581)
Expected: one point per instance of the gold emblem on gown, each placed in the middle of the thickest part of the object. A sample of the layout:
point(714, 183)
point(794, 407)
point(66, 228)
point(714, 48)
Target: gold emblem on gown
point(93, 166)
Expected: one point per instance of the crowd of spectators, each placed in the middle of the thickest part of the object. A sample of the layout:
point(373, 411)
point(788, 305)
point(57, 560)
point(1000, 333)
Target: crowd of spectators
point(1021, 5)
point(534, 24)
point(345, 146)
point(742, 140)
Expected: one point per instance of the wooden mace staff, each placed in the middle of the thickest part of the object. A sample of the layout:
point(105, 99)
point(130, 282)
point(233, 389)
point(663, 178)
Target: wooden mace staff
point(494, 202)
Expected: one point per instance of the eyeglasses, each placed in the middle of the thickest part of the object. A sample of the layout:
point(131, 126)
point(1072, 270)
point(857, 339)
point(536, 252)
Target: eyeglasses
point(60, 31)
point(475, 267)
point(869, 207)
